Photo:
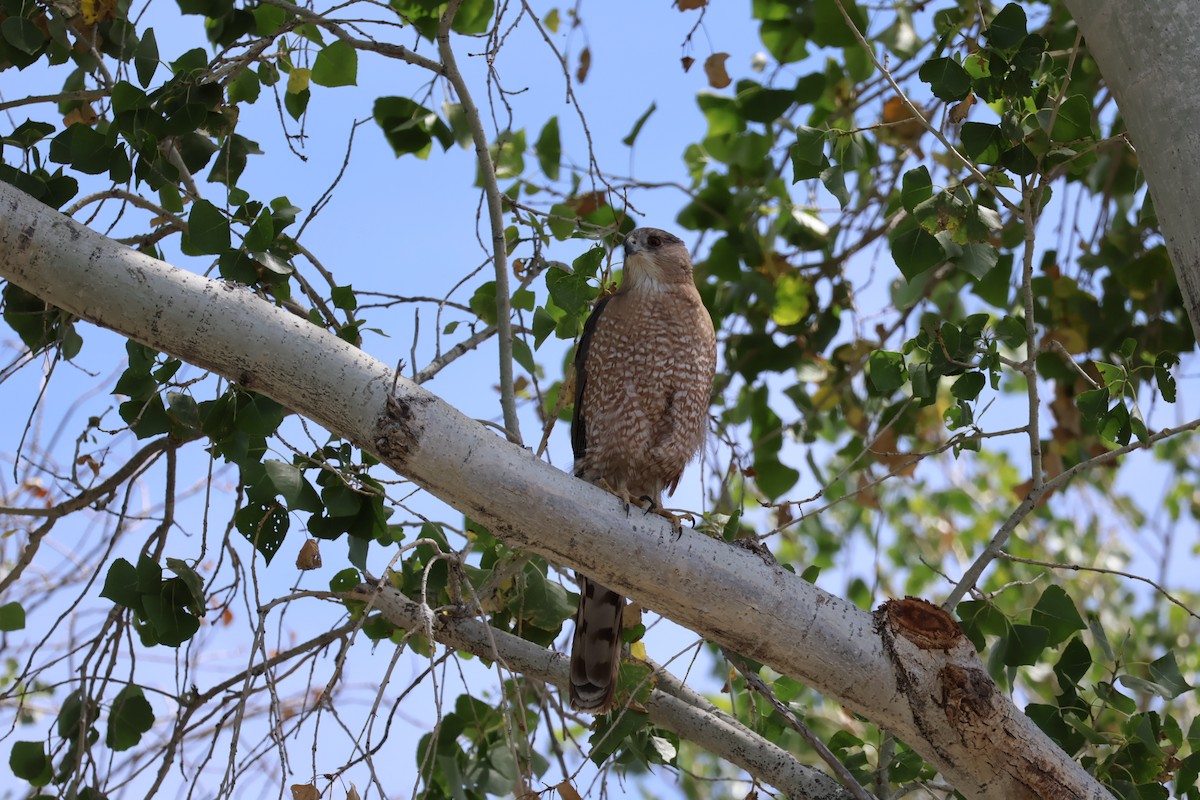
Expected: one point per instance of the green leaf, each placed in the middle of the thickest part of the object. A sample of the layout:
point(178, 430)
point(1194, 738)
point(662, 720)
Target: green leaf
point(523, 355)
point(982, 141)
point(829, 24)
point(834, 180)
point(968, 386)
point(759, 104)
point(915, 188)
point(336, 65)
point(1111, 374)
point(1019, 160)
point(121, 585)
point(29, 762)
point(1162, 375)
point(85, 149)
point(946, 78)
point(344, 580)
point(1008, 28)
point(172, 625)
point(483, 302)
point(473, 17)
point(1024, 645)
point(131, 717)
point(145, 57)
point(808, 154)
point(12, 616)
point(1166, 675)
point(562, 221)
point(1073, 121)
point(637, 126)
point(1092, 403)
point(1074, 662)
point(1056, 612)
point(549, 149)
point(72, 714)
point(410, 128)
point(612, 730)
point(208, 230)
point(915, 250)
point(977, 260)
point(193, 582)
point(296, 103)
point(773, 477)
point(570, 291)
point(886, 371)
point(22, 34)
point(245, 88)
point(28, 133)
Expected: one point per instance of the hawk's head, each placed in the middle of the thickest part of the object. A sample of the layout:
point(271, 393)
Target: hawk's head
point(654, 257)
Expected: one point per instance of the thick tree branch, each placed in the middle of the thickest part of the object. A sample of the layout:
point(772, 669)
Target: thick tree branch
point(727, 594)
point(1159, 104)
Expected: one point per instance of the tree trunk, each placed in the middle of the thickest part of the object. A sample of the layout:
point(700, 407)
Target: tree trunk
point(936, 697)
point(1149, 54)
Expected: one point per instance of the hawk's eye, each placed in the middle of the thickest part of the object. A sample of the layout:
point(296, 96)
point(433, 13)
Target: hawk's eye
point(654, 241)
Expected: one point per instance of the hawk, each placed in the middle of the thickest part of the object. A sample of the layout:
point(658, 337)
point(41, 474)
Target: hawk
point(643, 375)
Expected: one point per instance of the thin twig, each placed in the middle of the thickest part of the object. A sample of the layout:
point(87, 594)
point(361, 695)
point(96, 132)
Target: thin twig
point(839, 769)
point(491, 189)
point(1084, 568)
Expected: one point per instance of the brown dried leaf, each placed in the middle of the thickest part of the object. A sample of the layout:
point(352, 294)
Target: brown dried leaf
point(687, 62)
point(310, 555)
point(585, 64)
point(91, 463)
point(960, 110)
point(305, 791)
point(688, 5)
point(714, 68)
point(902, 126)
point(585, 204)
point(884, 450)
point(84, 113)
point(567, 792)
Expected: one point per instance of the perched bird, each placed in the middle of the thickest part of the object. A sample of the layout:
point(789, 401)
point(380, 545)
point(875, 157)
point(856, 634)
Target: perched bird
point(643, 375)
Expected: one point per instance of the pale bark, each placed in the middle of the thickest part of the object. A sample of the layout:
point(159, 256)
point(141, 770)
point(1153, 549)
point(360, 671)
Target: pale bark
point(939, 701)
point(1149, 54)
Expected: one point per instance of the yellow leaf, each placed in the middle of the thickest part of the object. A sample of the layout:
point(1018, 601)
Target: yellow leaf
point(97, 10)
point(298, 80)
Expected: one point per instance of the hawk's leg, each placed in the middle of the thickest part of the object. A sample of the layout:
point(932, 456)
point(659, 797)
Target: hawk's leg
point(621, 494)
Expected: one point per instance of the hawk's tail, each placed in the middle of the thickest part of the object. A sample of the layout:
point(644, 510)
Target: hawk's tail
point(596, 647)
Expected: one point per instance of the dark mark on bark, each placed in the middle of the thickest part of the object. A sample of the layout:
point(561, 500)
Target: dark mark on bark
point(887, 627)
point(25, 238)
point(398, 431)
point(966, 695)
